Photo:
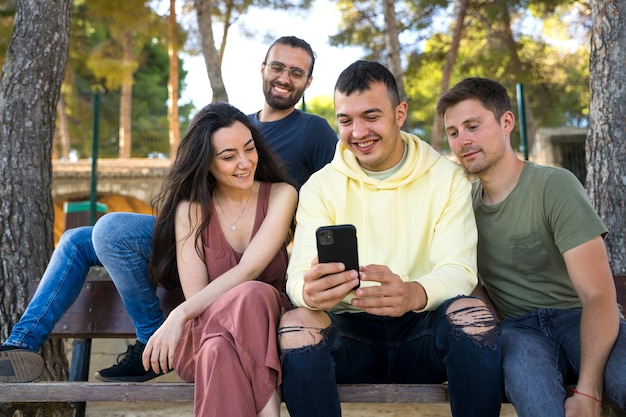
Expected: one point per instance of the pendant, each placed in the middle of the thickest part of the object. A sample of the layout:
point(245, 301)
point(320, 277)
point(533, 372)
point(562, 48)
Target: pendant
point(232, 227)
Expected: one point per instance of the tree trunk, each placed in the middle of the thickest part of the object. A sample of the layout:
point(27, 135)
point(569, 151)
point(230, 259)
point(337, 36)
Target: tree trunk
point(63, 133)
point(126, 97)
point(606, 138)
point(29, 91)
point(437, 133)
point(211, 56)
point(392, 46)
point(172, 82)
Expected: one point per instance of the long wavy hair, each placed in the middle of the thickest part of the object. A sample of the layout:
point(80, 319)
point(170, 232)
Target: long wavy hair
point(190, 179)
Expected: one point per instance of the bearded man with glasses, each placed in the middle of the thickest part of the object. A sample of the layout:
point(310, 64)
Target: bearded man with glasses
point(305, 142)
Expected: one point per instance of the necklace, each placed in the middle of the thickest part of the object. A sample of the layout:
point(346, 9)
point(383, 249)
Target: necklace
point(233, 225)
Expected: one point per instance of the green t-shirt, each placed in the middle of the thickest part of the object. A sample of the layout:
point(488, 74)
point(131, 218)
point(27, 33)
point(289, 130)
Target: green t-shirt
point(521, 240)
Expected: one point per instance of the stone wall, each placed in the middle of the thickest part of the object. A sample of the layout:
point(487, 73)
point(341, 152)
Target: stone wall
point(562, 147)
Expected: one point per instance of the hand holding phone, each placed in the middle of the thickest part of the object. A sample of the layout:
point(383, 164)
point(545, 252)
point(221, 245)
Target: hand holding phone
point(338, 243)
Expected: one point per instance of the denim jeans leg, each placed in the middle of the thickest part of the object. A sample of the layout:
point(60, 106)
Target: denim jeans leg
point(565, 329)
point(123, 243)
point(615, 373)
point(60, 285)
point(473, 362)
point(309, 387)
point(534, 367)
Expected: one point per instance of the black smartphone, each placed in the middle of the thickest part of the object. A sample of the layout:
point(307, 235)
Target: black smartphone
point(338, 243)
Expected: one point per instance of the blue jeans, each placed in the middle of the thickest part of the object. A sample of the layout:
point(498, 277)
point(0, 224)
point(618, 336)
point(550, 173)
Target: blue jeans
point(541, 353)
point(60, 285)
point(414, 348)
point(121, 242)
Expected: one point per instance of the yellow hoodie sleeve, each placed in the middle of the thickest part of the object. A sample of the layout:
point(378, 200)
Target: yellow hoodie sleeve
point(453, 247)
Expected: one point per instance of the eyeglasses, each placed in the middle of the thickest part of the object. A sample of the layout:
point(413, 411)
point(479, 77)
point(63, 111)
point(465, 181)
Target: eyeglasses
point(277, 69)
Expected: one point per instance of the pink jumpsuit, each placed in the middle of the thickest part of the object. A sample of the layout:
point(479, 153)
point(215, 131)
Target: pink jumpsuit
point(231, 351)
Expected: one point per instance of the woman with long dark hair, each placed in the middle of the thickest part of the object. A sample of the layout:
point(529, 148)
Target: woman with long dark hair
point(224, 215)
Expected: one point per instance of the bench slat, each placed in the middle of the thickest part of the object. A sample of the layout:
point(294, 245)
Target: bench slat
point(95, 391)
point(183, 392)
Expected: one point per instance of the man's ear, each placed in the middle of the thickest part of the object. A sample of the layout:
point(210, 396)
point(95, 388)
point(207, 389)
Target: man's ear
point(401, 113)
point(308, 82)
point(507, 121)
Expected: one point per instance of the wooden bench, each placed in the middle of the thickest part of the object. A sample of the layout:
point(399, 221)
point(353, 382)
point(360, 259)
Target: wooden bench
point(99, 313)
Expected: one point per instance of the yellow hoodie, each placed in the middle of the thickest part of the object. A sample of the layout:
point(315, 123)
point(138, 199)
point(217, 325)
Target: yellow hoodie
point(418, 222)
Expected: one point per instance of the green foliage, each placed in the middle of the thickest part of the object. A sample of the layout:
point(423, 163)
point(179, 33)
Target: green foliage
point(150, 123)
point(7, 11)
point(323, 106)
point(91, 32)
point(128, 24)
point(362, 24)
point(497, 43)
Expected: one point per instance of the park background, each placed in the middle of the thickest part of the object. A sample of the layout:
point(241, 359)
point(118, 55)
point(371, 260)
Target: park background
point(119, 51)
point(118, 72)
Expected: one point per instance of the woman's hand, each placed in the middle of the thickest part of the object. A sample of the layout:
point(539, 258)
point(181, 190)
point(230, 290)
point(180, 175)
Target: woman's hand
point(159, 352)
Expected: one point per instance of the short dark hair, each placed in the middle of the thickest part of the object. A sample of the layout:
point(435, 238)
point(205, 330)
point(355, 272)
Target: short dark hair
point(294, 42)
point(360, 75)
point(491, 94)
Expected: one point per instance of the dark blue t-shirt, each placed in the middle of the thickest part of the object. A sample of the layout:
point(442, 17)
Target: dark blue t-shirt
point(304, 141)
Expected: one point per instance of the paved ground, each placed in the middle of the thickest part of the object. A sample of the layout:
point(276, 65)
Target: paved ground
point(104, 353)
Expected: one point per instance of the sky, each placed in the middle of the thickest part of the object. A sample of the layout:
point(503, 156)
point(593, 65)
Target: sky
point(243, 56)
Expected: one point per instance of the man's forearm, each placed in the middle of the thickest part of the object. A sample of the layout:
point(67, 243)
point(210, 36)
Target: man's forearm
point(599, 327)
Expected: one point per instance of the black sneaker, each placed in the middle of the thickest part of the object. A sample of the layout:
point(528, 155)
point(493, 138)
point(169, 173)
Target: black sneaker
point(19, 365)
point(129, 367)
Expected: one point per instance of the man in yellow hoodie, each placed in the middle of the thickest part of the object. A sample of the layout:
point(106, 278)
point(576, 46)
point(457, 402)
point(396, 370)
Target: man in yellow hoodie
point(411, 320)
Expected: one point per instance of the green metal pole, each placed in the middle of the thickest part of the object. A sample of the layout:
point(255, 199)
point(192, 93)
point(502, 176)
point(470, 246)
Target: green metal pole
point(522, 119)
point(94, 160)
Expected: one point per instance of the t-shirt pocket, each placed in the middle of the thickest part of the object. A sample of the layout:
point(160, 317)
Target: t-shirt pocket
point(528, 253)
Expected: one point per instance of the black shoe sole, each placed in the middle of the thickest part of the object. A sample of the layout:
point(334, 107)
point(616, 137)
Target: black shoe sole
point(20, 365)
point(126, 378)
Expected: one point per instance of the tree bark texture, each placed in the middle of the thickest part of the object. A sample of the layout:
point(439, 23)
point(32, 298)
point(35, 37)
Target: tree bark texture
point(29, 91)
point(606, 138)
point(211, 56)
point(392, 46)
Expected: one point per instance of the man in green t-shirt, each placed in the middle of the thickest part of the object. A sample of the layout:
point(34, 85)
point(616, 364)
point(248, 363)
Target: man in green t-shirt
point(542, 259)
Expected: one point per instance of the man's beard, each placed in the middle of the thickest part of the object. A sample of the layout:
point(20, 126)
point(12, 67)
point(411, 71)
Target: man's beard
point(281, 103)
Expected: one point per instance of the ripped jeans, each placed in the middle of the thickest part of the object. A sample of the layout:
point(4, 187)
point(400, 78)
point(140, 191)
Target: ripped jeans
point(461, 347)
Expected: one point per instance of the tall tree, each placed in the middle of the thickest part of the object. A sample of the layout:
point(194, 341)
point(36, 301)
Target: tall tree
point(29, 91)
point(606, 140)
point(130, 24)
point(173, 45)
point(444, 85)
point(392, 45)
point(212, 59)
point(226, 13)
